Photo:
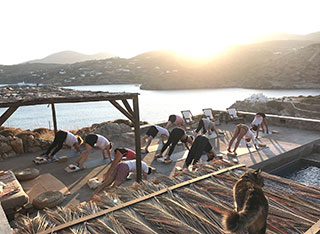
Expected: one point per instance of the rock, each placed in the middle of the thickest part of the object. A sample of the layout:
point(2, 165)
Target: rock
point(3, 138)
point(17, 145)
point(124, 127)
point(11, 154)
point(7, 132)
point(109, 129)
point(4, 156)
point(33, 149)
point(5, 148)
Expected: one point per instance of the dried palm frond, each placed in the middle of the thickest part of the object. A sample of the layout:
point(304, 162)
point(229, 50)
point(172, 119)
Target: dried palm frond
point(186, 213)
point(164, 180)
point(27, 225)
point(131, 222)
point(118, 227)
point(100, 226)
point(156, 215)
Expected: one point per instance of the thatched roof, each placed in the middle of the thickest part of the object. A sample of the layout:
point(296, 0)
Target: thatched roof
point(193, 208)
point(33, 95)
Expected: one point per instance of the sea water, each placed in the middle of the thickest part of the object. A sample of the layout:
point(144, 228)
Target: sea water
point(155, 106)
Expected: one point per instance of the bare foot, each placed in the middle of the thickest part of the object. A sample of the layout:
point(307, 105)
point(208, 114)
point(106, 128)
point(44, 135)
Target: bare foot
point(158, 156)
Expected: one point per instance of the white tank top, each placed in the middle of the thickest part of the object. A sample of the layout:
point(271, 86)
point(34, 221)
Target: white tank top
point(257, 120)
point(250, 135)
point(102, 142)
point(162, 131)
point(71, 139)
point(132, 166)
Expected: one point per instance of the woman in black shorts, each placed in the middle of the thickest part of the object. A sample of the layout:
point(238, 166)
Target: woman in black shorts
point(91, 141)
point(60, 138)
point(176, 135)
point(152, 132)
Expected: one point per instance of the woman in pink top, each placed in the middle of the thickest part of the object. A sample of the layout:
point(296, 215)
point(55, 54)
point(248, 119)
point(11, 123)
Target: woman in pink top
point(125, 152)
point(177, 120)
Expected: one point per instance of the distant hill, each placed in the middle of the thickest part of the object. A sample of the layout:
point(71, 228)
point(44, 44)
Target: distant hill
point(282, 64)
point(286, 36)
point(69, 57)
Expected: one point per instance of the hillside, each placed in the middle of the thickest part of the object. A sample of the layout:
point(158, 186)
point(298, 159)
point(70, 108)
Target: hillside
point(69, 57)
point(267, 65)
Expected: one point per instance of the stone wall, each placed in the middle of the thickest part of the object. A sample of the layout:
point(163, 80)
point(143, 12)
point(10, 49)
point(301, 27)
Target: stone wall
point(15, 142)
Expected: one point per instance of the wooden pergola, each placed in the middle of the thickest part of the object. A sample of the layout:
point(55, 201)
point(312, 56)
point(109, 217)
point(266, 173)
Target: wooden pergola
point(13, 97)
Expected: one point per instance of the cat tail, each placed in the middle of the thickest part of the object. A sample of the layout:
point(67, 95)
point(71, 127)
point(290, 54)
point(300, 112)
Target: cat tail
point(234, 221)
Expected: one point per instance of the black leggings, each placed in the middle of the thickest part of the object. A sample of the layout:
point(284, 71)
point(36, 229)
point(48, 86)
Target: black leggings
point(201, 125)
point(200, 144)
point(57, 143)
point(173, 140)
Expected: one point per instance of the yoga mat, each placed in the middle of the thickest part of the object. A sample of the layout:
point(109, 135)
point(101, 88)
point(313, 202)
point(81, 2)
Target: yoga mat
point(241, 151)
point(176, 156)
point(96, 162)
point(214, 135)
point(56, 157)
point(69, 155)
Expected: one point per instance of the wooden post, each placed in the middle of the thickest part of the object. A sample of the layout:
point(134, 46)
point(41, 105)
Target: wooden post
point(122, 110)
point(127, 105)
point(54, 118)
point(314, 229)
point(137, 137)
point(7, 114)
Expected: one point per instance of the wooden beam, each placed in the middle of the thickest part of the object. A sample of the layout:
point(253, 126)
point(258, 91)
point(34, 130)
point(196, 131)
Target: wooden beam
point(135, 201)
point(54, 118)
point(73, 99)
point(314, 229)
point(127, 105)
point(7, 114)
point(122, 110)
point(137, 138)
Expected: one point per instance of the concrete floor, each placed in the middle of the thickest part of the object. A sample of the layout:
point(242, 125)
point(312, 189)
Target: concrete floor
point(286, 140)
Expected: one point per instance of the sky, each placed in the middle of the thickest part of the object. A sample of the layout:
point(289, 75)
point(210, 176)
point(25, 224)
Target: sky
point(34, 29)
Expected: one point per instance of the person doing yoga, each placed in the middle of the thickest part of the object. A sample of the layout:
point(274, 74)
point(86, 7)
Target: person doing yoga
point(241, 131)
point(176, 120)
point(60, 138)
point(260, 121)
point(201, 144)
point(176, 135)
point(125, 152)
point(91, 141)
point(207, 126)
point(119, 171)
point(152, 132)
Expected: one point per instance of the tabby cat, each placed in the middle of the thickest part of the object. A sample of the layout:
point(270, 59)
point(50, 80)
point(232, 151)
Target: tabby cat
point(251, 206)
